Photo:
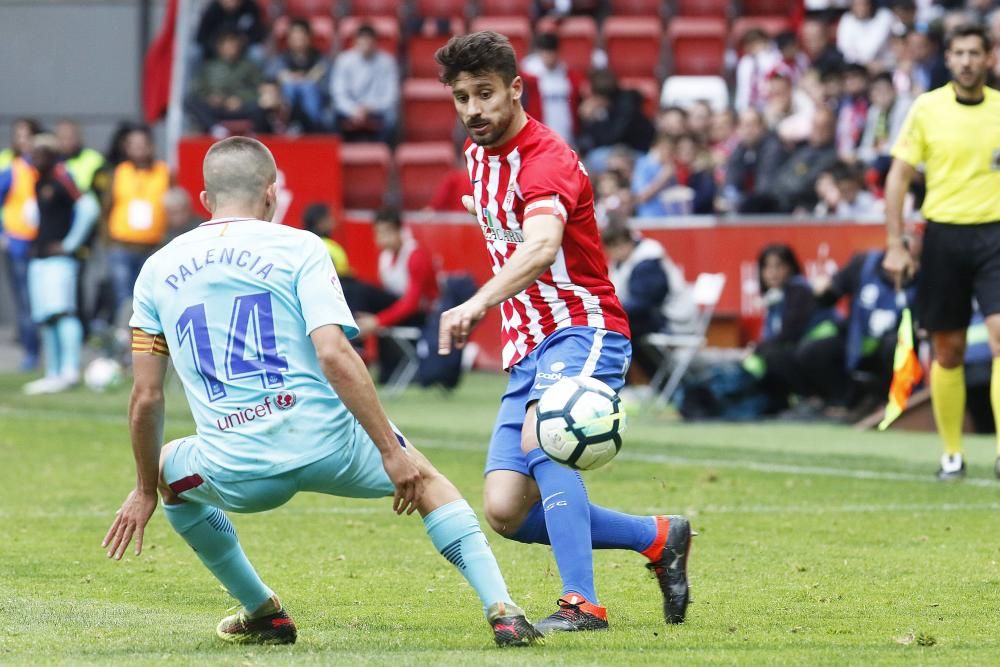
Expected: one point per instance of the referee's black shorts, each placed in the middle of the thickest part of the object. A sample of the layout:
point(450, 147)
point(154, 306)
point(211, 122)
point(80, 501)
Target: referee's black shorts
point(958, 262)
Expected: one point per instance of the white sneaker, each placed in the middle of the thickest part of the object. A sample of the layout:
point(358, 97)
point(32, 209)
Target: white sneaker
point(45, 385)
point(952, 467)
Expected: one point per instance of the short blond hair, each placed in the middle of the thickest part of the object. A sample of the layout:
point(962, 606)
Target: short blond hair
point(238, 169)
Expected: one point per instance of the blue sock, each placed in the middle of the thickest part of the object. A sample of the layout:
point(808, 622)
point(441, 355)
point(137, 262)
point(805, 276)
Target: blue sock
point(567, 520)
point(608, 529)
point(213, 538)
point(454, 530)
point(70, 333)
point(50, 350)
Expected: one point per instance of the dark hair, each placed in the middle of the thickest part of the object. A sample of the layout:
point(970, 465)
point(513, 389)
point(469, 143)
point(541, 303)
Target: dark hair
point(675, 109)
point(783, 252)
point(884, 77)
point(229, 33)
point(365, 29)
point(969, 30)
point(855, 68)
point(754, 34)
point(34, 126)
point(389, 216)
point(841, 171)
point(141, 128)
point(300, 23)
point(477, 53)
point(614, 234)
point(547, 41)
point(313, 214)
point(785, 39)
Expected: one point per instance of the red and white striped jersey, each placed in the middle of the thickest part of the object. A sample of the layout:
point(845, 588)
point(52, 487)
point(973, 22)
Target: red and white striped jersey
point(537, 170)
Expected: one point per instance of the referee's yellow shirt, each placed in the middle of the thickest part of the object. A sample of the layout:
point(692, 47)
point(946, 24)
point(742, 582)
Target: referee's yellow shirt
point(959, 146)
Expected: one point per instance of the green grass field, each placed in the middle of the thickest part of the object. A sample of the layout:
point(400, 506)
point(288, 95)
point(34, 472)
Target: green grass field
point(818, 545)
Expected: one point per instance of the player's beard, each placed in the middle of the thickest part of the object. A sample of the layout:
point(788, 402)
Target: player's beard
point(492, 132)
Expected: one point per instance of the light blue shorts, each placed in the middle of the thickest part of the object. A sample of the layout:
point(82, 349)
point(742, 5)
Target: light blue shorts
point(569, 352)
point(52, 287)
point(352, 471)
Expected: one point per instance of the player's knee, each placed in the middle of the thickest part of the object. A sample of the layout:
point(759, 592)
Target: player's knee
point(503, 515)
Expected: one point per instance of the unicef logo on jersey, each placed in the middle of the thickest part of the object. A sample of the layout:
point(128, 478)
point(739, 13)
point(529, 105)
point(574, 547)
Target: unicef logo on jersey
point(284, 400)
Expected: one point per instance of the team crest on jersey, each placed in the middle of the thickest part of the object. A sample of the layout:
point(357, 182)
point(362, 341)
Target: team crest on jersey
point(284, 400)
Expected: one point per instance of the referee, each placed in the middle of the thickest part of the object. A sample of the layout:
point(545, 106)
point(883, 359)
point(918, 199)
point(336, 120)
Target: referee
point(954, 132)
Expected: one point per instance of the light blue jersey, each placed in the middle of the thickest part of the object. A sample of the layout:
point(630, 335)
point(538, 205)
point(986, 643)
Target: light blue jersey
point(236, 300)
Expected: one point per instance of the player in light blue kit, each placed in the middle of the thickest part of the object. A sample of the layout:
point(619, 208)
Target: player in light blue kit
point(253, 317)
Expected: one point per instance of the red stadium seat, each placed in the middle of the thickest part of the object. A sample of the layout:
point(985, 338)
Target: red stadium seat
point(699, 45)
point(650, 90)
point(516, 28)
point(375, 7)
point(768, 7)
point(506, 7)
point(322, 30)
point(648, 8)
point(386, 31)
point(772, 25)
point(366, 169)
point(577, 36)
point(633, 45)
point(421, 167)
point(309, 7)
point(446, 8)
point(428, 110)
point(421, 45)
point(718, 8)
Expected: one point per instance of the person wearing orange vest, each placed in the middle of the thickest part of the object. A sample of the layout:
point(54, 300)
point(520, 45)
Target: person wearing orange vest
point(137, 219)
point(18, 227)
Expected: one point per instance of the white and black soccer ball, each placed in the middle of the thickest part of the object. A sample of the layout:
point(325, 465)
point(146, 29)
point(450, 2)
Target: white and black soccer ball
point(580, 422)
point(102, 374)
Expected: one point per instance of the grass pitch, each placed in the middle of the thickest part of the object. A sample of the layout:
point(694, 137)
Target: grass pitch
point(818, 545)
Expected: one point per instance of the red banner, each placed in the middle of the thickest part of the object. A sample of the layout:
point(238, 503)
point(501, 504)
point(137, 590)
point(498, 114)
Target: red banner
point(308, 172)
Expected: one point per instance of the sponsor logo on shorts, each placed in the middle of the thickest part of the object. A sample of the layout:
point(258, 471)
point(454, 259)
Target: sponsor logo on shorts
point(284, 400)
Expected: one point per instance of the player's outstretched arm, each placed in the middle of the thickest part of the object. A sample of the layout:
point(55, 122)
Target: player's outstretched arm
point(145, 416)
point(347, 374)
point(542, 240)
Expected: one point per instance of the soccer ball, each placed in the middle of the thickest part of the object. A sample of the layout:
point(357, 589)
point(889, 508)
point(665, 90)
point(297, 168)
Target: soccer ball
point(580, 422)
point(102, 373)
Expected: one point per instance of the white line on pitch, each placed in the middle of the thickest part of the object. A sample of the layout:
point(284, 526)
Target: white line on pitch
point(837, 509)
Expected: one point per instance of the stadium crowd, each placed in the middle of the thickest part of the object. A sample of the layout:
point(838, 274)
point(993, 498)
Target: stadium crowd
point(798, 120)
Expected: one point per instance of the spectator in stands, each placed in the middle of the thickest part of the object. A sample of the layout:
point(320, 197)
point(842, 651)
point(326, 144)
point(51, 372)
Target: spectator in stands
point(929, 70)
point(19, 227)
point(365, 90)
point(179, 214)
point(65, 220)
point(82, 163)
point(447, 197)
point(319, 219)
point(552, 88)
point(885, 118)
point(699, 121)
point(136, 214)
point(277, 115)
point(672, 122)
point(993, 24)
point(651, 288)
point(610, 116)
point(788, 110)
point(852, 112)
point(674, 178)
point(792, 61)
point(302, 72)
point(408, 289)
point(863, 32)
point(612, 197)
point(817, 45)
point(793, 185)
point(842, 194)
point(758, 60)
point(239, 16)
point(904, 14)
point(754, 163)
point(225, 88)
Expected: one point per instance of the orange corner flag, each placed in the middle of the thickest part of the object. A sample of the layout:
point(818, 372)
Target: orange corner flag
point(906, 371)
